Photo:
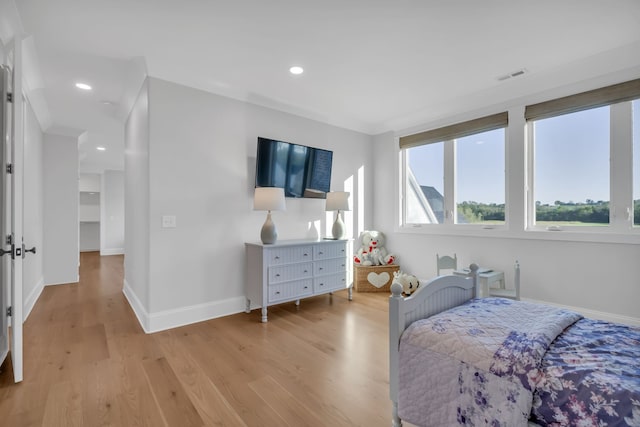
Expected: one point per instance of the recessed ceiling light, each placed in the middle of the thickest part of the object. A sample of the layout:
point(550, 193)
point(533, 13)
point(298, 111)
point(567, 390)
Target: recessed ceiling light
point(101, 148)
point(83, 86)
point(296, 70)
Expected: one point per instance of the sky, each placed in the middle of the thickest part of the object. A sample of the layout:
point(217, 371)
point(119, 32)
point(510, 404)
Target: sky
point(571, 153)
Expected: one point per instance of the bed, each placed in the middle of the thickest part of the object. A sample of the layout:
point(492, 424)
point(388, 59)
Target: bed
point(460, 360)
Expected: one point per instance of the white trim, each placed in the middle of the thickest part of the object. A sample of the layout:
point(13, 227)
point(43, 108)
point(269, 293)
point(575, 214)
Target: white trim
point(168, 319)
point(196, 313)
point(64, 283)
point(112, 251)
point(136, 306)
point(593, 314)
point(32, 298)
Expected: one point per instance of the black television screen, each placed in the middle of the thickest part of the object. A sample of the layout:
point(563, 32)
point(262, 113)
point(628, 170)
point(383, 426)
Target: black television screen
point(301, 171)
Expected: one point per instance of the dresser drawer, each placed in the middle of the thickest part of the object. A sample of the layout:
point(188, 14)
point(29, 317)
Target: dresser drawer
point(330, 250)
point(290, 290)
point(329, 283)
point(329, 266)
point(285, 273)
point(288, 255)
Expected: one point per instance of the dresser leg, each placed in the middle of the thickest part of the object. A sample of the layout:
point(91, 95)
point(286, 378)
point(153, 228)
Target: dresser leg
point(247, 309)
point(297, 303)
point(264, 314)
point(350, 293)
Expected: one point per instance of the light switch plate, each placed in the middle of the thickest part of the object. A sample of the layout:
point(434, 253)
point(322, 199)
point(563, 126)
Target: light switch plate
point(168, 221)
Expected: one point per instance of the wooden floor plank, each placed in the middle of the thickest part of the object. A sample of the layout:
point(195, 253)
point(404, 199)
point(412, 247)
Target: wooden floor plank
point(285, 404)
point(176, 407)
point(63, 406)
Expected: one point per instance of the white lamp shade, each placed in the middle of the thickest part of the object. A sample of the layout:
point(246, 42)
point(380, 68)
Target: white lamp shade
point(338, 201)
point(268, 199)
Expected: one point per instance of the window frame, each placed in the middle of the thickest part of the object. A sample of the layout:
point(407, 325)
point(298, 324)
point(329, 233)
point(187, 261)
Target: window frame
point(449, 184)
point(620, 175)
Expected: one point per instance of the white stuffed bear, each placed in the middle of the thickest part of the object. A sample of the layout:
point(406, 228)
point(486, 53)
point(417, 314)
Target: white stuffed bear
point(372, 250)
point(409, 283)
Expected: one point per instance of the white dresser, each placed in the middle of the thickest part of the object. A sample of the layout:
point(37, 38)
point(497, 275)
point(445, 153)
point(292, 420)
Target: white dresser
point(293, 269)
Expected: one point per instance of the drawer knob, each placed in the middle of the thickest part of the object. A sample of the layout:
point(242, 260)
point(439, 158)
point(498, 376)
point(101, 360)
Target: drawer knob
point(321, 284)
point(277, 292)
point(277, 257)
point(278, 275)
point(320, 269)
point(306, 287)
point(320, 253)
point(305, 254)
point(306, 271)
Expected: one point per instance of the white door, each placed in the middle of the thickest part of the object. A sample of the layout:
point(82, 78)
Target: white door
point(5, 218)
point(11, 183)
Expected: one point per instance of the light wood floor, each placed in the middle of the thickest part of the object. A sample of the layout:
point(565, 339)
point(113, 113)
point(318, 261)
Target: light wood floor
point(88, 363)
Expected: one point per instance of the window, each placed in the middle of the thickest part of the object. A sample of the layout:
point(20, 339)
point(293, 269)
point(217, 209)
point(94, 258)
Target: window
point(480, 178)
point(571, 169)
point(456, 174)
point(575, 167)
point(581, 160)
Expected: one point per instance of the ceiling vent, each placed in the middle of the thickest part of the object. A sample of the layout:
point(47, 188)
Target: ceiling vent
point(513, 74)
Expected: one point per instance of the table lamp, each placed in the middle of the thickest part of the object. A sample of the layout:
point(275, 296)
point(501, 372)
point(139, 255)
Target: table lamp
point(268, 199)
point(338, 201)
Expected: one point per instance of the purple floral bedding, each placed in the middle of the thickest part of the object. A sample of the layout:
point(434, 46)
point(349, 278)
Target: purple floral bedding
point(590, 376)
point(496, 362)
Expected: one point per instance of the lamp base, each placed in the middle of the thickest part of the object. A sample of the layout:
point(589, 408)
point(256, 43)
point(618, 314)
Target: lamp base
point(338, 229)
point(268, 234)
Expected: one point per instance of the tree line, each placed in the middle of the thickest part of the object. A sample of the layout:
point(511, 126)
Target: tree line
point(590, 211)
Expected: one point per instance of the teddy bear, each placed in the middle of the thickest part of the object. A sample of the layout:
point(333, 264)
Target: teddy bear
point(372, 250)
point(409, 282)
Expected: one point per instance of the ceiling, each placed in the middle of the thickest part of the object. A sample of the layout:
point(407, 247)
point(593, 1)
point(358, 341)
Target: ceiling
point(370, 65)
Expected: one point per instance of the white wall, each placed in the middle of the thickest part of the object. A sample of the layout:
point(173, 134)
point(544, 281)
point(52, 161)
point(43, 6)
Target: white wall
point(112, 205)
point(61, 241)
point(33, 279)
point(136, 193)
point(599, 279)
point(201, 168)
point(89, 182)
point(89, 236)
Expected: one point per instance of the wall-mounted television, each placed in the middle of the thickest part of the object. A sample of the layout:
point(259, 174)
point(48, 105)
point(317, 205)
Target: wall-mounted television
point(300, 170)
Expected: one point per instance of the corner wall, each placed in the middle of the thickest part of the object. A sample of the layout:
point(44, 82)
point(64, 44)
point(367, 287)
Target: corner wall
point(112, 213)
point(136, 214)
point(61, 239)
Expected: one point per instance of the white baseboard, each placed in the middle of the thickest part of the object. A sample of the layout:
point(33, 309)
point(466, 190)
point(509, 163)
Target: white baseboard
point(112, 251)
point(64, 283)
point(168, 319)
point(196, 313)
point(594, 314)
point(31, 299)
point(136, 306)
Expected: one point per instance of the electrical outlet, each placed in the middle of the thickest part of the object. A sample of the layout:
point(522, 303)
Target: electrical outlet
point(168, 221)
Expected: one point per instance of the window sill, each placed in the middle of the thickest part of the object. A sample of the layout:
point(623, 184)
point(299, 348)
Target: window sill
point(631, 237)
